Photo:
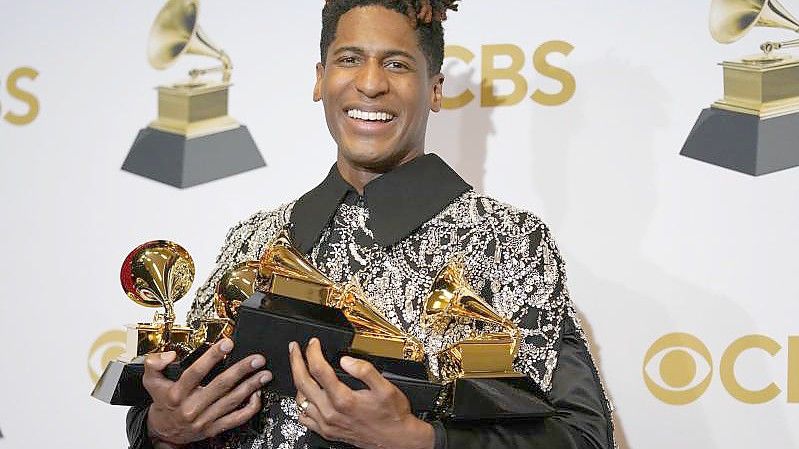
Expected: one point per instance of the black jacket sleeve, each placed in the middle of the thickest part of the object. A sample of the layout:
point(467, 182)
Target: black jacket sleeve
point(137, 428)
point(582, 421)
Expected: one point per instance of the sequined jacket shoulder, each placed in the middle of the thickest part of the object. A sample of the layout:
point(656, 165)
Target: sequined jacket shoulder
point(245, 241)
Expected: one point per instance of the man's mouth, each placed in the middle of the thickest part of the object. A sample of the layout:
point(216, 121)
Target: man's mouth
point(370, 116)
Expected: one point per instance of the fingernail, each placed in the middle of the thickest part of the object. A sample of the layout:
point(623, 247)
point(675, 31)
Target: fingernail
point(226, 346)
point(167, 355)
point(258, 362)
point(314, 341)
point(347, 362)
point(258, 394)
point(291, 346)
point(266, 378)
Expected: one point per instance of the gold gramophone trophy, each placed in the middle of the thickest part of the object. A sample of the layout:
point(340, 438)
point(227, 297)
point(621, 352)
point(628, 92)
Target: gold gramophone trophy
point(294, 301)
point(193, 140)
point(487, 354)
point(754, 129)
point(478, 369)
point(156, 275)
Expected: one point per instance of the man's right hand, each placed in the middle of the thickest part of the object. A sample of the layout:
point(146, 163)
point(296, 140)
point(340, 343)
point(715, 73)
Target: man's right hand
point(183, 412)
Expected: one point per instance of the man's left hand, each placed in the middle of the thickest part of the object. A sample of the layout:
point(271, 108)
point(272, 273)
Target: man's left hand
point(376, 417)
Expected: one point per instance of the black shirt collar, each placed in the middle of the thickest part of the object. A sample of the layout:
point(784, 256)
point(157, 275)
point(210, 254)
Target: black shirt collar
point(398, 201)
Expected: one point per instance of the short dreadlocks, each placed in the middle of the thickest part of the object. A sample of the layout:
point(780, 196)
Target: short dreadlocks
point(425, 16)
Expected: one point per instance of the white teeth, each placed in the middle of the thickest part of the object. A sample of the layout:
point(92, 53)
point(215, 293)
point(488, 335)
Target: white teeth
point(370, 116)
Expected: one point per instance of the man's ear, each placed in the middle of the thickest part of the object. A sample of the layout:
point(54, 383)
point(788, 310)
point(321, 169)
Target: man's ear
point(437, 92)
point(317, 89)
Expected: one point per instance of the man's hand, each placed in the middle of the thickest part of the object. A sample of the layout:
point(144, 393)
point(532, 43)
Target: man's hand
point(183, 412)
point(377, 417)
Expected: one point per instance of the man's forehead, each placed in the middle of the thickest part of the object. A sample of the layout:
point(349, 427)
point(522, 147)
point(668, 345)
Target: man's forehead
point(375, 30)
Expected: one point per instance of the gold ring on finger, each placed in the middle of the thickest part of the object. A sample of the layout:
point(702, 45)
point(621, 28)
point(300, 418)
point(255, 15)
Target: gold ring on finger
point(302, 407)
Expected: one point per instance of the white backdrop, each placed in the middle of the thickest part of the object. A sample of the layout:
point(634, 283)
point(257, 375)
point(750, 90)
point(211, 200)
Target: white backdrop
point(655, 243)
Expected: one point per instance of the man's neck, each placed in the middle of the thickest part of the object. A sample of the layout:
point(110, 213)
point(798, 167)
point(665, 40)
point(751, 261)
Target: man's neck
point(358, 176)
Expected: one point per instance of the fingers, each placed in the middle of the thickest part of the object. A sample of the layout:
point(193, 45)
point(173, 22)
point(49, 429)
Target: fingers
point(305, 384)
point(195, 373)
point(154, 380)
point(227, 381)
point(235, 398)
point(366, 372)
point(322, 372)
point(237, 418)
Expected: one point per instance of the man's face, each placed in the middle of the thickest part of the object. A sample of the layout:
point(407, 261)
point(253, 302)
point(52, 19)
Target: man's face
point(376, 90)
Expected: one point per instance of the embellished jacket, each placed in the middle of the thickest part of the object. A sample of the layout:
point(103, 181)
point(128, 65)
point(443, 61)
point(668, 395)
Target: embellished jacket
point(394, 238)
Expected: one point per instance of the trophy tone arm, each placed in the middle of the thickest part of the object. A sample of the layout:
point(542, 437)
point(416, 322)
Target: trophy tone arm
point(772, 46)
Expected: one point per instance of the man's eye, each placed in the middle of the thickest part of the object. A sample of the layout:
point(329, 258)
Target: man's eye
point(397, 65)
point(348, 60)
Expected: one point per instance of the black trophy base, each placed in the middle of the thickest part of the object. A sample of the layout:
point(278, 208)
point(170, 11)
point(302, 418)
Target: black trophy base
point(121, 382)
point(514, 398)
point(743, 142)
point(175, 160)
point(267, 323)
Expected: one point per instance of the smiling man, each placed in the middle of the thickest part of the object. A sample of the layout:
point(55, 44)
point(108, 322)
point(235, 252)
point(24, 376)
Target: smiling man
point(393, 216)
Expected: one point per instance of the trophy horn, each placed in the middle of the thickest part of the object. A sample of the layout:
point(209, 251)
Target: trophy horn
point(285, 271)
point(176, 32)
point(235, 286)
point(732, 19)
point(157, 274)
point(451, 297)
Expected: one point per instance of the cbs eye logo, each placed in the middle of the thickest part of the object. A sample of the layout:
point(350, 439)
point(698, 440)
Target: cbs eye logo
point(107, 347)
point(675, 358)
point(678, 369)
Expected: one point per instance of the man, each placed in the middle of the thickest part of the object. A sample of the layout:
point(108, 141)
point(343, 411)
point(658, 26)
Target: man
point(393, 216)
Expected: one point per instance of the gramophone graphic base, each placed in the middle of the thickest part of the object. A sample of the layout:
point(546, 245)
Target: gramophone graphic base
point(744, 142)
point(175, 160)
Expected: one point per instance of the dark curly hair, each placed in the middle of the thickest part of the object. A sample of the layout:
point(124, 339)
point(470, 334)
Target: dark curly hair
point(426, 17)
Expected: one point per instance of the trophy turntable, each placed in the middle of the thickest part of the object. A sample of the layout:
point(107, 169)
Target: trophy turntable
point(193, 140)
point(754, 128)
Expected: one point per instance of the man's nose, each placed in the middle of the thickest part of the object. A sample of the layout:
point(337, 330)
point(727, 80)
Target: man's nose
point(372, 80)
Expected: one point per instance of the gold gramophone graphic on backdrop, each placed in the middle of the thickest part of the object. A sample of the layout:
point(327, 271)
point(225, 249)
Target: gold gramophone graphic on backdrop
point(193, 140)
point(156, 275)
point(754, 128)
point(487, 354)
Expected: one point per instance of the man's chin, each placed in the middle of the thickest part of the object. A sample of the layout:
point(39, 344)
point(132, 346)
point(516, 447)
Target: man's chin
point(372, 159)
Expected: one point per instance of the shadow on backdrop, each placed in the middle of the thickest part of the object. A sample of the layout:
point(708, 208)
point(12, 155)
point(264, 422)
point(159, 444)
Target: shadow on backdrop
point(460, 136)
point(606, 190)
